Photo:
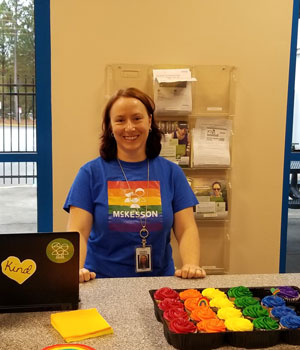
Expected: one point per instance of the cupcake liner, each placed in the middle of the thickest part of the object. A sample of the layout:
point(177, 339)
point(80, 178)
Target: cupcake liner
point(203, 341)
point(254, 339)
point(290, 336)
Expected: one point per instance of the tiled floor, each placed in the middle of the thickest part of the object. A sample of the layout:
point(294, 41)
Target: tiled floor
point(18, 210)
point(18, 213)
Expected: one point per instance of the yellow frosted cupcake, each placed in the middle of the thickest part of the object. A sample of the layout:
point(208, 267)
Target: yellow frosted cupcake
point(237, 324)
point(212, 293)
point(229, 312)
point(220, 302)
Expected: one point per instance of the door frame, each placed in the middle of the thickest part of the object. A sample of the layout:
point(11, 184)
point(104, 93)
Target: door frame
point(43, 156)
point(288, 154)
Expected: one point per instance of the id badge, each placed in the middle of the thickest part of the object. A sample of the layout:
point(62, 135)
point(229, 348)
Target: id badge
point(143, 259)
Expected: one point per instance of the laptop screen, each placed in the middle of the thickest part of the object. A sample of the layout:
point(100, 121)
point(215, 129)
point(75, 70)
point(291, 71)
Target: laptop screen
point(39, 271)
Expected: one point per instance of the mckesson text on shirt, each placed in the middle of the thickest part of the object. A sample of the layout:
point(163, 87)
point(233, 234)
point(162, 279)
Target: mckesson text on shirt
point(134, 214)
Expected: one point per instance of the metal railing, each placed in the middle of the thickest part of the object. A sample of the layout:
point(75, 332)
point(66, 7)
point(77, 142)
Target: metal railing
point(17, 128)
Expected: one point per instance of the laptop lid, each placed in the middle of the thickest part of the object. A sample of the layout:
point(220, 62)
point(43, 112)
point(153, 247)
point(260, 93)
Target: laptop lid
point(39, 271)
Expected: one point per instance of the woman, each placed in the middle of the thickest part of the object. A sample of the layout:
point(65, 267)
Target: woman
point(125, 202)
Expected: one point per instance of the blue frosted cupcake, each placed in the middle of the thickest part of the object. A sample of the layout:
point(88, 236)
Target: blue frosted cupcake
point(271, 301)
point(280, 311)
point(290, 322)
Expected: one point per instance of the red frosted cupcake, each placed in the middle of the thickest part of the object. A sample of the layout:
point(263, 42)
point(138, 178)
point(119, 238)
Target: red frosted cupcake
point(164, 293)
point(173, 313)
point(169, 303)
point(183, 326)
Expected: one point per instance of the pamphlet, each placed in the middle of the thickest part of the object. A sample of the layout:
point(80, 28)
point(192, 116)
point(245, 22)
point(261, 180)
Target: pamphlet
point(173, 91)
point(211, 142)
point(175, 142)
point(211, 193)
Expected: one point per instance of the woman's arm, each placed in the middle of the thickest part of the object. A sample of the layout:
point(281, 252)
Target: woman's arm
point(186, 233)
point(81, 221)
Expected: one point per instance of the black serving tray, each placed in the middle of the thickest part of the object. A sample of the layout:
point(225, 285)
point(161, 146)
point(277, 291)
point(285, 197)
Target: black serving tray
point(250, 340)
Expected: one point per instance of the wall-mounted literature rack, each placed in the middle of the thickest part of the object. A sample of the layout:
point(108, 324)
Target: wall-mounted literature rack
point(210, 122)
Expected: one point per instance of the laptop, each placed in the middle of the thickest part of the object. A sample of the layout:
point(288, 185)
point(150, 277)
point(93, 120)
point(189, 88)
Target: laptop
point(39, 271)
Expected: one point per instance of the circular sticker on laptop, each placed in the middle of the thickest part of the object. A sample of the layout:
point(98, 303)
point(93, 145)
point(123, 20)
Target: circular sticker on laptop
point(68, 347)
point(60, 250)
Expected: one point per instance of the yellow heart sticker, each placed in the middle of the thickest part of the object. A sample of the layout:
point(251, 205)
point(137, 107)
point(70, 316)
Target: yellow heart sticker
point(18, 271)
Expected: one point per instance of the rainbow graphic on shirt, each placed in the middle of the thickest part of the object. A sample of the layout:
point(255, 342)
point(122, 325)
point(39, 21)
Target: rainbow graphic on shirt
point(127, 206)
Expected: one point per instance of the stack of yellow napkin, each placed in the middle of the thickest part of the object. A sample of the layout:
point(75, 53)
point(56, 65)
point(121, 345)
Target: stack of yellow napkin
point(80, 324)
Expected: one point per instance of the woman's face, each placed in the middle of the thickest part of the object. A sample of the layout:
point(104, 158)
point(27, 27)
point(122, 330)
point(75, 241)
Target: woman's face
point(217, 190)
point(130, 124)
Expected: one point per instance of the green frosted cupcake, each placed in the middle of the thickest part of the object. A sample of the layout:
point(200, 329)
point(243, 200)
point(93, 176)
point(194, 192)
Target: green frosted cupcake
point(237, 292)
point(265, 323)
point(254, 311)
point(243, 302)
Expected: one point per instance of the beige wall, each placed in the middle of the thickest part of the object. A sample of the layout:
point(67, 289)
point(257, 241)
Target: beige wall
point(252, 35)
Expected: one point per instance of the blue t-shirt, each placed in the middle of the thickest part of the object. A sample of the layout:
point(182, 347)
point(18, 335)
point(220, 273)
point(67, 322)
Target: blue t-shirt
point(119, 211)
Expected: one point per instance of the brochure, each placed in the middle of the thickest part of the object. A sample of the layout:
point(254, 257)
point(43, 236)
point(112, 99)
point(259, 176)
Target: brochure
point(211, 142)
point(175, 142)
point(212, 196)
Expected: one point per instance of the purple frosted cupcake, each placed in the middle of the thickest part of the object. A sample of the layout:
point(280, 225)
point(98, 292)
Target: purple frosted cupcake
point(271, 301)
point(288, 293)
point(280, 311)
point(290, 322)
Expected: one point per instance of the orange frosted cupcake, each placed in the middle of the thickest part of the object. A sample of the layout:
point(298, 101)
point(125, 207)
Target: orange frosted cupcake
point(202, 313)
point(191, 303)
point(212, 325)
point(189, 293)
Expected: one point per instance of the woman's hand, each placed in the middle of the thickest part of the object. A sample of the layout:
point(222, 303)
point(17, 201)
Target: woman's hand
point(85, 275)
point(190, 271)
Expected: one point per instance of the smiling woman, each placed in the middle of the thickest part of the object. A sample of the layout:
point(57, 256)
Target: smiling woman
point(130, 125)
point(137, 108)
point(125, 203)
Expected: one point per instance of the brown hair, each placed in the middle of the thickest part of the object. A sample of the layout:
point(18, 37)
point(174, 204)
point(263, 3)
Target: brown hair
point(108, 147)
